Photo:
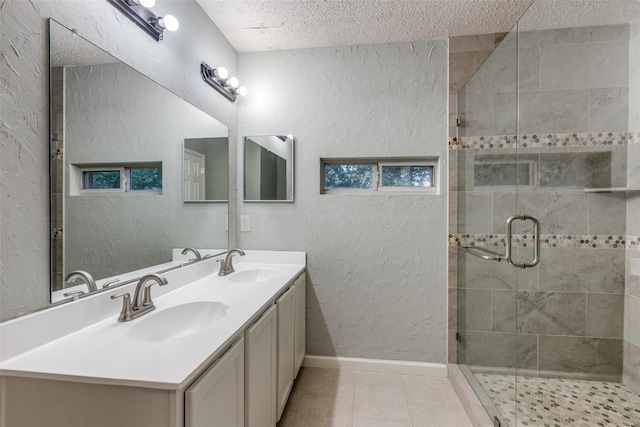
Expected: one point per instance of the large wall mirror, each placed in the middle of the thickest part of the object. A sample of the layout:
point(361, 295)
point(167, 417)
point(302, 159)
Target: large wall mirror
point(117, 146)
point(268, 168)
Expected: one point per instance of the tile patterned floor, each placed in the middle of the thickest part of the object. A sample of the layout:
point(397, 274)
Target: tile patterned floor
point(563, 403)
point(344, 398)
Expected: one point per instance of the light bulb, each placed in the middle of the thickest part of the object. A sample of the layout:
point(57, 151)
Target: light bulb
point(242, 91)
point(169, 22)
point(222, 72)
point(234, 82)
point(147, 3)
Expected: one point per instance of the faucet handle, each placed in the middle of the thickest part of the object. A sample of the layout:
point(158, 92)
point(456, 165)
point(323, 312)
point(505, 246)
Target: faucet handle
point(110, 282)
point(146, 299)
point(159, 280)
point(127, 309)
point(221, 272)
point(74, 294)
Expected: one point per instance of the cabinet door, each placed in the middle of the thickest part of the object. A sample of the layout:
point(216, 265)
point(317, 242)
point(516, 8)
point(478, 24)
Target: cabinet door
point(216, 398)
point(260, 371)
point(285, 349)
point(299, 339)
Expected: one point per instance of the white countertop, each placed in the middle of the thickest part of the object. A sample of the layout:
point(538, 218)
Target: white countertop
point(102, 353)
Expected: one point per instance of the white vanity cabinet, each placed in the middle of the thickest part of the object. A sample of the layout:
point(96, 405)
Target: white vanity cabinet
point(260, 370)
point(286, 319)
point(299, 339)
point(216, 398)
point(246, 385)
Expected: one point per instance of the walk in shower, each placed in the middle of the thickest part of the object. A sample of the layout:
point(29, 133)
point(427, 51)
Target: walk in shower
point(549, 132)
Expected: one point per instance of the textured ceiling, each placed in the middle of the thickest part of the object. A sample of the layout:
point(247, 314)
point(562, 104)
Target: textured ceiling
point(67, 49)
point(547, 14)
point(260, 25)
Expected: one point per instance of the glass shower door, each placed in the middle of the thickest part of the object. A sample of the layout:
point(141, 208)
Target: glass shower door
point(546, 132)
point(490, 176)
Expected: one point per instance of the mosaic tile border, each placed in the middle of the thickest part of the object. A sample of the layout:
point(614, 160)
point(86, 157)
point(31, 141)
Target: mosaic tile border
point(547, 140)
point(548, 241)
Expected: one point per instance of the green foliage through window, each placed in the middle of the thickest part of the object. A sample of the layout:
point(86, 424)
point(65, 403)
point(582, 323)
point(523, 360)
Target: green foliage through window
point(407, 176)
point(101, 180)
point(149, 179)
point(121, 178)
point(345, 177)
point(378, 175)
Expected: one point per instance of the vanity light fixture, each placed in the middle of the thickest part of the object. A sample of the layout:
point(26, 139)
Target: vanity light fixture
point(139, 12)
point(217, 79)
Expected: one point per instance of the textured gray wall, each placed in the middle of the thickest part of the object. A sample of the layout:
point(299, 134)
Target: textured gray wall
point(377, 262)
point(24, 198)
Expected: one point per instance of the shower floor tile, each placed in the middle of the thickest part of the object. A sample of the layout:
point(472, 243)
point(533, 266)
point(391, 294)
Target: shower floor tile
point(561, 402)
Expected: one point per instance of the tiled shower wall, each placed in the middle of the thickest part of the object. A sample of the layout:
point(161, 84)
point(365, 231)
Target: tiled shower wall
point(631, 360)
point(573, 88)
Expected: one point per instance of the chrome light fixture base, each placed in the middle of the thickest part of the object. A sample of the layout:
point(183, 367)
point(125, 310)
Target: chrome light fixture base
point(143, 17)
point(209, 76)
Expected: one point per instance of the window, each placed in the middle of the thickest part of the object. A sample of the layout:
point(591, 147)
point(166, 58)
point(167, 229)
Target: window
point(117, 179)
point(348, 177)
point(101, 179)
point(145, 179)
point(356, 175)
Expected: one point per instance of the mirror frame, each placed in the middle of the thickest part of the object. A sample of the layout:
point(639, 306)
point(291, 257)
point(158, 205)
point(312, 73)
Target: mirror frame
point(293, 169)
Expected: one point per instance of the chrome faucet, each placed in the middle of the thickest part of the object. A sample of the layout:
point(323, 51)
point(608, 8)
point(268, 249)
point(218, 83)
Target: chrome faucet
point(142, 302)
point(226, 266)
point(81, 274)
point(195, 252)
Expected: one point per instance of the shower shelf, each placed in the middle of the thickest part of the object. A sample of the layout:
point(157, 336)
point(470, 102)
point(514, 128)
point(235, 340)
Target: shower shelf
point(611, 190)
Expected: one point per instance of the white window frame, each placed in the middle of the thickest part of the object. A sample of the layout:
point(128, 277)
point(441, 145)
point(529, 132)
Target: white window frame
point(128, 170)
point(77, 179)
point(430, 189)
point(378, 164)
point(123, 180)
point(354, 162)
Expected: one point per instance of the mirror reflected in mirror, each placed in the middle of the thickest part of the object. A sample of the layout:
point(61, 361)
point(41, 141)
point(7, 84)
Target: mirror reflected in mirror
point(117, 138)
point(206, 170)
point(268, 168)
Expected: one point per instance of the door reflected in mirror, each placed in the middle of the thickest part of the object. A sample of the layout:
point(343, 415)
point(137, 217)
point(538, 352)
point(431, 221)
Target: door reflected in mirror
point(268, 168)
point(206, 170)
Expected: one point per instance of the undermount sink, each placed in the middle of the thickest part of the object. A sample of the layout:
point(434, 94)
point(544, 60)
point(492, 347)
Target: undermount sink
point(178, 321)
point(253, 276)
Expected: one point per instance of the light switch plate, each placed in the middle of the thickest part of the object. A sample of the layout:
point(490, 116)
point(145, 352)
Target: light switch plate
point(245, 223)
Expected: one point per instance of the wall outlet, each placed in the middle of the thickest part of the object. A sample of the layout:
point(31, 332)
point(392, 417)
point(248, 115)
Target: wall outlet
point(245, 223)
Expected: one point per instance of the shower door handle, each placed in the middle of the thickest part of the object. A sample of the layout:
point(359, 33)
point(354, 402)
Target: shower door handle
point(536, 237)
